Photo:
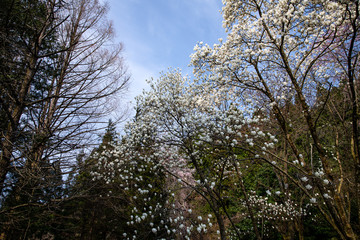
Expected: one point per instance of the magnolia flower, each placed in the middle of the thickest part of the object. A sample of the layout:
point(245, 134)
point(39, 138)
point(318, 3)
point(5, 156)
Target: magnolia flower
point(304, 179)
point(319, 173)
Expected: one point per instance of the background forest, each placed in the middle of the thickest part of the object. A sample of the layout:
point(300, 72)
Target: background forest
point(261, 142)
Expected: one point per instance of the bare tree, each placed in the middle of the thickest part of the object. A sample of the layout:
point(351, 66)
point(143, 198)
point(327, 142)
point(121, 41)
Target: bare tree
point(74, 70)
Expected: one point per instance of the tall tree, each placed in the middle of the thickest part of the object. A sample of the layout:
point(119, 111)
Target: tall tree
point(285, 51)
point(60, 72)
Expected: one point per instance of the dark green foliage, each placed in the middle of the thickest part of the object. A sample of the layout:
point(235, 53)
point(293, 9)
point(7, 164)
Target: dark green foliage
point(316, 227)
point(102, 210)
point(96, 207)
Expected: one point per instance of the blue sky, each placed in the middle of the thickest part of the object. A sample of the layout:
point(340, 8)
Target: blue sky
point(158, 34)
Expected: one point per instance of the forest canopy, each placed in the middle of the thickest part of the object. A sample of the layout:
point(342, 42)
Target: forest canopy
point(262, 142)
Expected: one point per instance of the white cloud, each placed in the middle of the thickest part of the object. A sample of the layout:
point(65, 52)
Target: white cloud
point(139, 75)
point(159, 34)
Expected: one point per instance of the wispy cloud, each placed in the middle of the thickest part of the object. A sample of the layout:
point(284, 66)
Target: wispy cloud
point(139, 75)
point(158, 34)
